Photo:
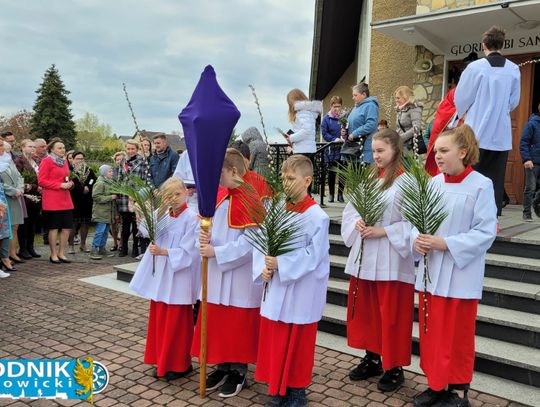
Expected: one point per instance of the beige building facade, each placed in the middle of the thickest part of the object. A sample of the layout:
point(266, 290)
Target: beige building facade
point(422, 44)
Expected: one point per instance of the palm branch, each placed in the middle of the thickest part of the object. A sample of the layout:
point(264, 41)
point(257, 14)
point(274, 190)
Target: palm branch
point(277, 229)
point(422, 205)
point(149, 205)
point(363, 190)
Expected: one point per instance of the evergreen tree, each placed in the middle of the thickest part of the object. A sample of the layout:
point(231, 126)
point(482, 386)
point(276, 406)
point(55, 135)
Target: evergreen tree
point(52, 115)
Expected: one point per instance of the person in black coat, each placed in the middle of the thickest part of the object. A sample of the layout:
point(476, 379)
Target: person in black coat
point(83, 178)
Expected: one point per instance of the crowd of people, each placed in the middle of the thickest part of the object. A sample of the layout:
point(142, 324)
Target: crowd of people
point(46, 188)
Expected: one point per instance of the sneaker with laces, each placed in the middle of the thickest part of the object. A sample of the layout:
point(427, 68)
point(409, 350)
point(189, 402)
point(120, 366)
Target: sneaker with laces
point(527, 217)
point(216, 379)
point(428, 397)
point(3, 274)
point(391, 379)
point(370, 365)
point(452, 399)
point(233, 385)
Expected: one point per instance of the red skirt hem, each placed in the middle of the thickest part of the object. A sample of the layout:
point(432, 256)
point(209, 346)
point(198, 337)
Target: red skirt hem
point(447, 348)
point(170, 333)
point(232, 334)
point(383, 319)
point(286, 355)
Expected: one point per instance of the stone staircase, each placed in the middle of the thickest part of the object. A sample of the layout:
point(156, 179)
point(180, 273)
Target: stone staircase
point(508, 322)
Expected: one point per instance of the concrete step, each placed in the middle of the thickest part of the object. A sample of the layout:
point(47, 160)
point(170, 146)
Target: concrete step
point(505, 243)
point(503, 359)
point(124, 272)
point(482, 382)
point(511, 294)
point(517, 327)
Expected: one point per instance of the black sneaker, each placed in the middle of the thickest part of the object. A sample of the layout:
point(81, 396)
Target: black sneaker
point(296, 397)
point(428, 398)
point(233, 385)
point(276, 401)
point(216, 379)
point(178, 375)
point(451, 399)
point(527, 217)
point(369, 366)
point(391, 380)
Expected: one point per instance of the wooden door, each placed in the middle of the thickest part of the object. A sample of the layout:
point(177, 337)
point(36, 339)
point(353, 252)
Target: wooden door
point(514, 178)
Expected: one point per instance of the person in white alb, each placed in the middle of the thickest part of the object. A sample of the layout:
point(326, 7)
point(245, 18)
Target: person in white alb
point(384, 282)
point(233, 298)
point(296, 294)
point(171, 286)
point(486, 94)
point(456, 259)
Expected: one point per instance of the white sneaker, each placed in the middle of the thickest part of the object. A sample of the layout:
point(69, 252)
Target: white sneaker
point(3, 274)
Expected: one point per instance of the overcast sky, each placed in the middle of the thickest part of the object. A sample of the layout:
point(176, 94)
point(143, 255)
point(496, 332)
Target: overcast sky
point(159, 48)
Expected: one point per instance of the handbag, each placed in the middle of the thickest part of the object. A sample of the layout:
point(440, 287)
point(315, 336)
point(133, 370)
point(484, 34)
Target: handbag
point(409, 144)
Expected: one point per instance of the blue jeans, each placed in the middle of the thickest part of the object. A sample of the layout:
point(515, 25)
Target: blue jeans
point(531, 195)
point(100, 238)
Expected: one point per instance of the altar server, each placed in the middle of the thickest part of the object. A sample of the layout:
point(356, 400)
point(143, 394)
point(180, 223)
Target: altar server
point(456, 258)
point(383, 316)
point(487, 92)
point(296, 294)
point(233, 298)
point(173, 288)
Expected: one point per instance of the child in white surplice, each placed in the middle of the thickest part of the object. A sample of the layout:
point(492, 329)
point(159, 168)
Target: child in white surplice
point(173, 288)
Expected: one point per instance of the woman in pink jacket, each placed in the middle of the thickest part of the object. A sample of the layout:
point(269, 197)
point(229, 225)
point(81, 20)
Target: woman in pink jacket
point(54, 180)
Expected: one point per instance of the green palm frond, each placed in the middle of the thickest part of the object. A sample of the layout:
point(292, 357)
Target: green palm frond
point(422, 205)
point(422, 202)
point(149, 204)
point(278, 229)
point(364, 192)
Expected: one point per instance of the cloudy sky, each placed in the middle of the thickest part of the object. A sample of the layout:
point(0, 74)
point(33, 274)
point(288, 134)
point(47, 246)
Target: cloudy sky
point(159, 48)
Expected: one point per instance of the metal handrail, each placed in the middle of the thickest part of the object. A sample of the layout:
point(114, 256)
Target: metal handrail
point(279, 153)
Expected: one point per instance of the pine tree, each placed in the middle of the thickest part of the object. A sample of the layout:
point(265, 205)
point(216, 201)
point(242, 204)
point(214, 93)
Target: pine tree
point(52, 115)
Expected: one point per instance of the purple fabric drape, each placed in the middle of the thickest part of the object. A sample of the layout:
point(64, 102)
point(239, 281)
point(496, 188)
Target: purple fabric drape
point(208, 121)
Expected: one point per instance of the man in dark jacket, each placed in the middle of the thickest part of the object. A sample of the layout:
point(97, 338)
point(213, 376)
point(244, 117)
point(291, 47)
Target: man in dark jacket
point(163, 161)
point(529, 148)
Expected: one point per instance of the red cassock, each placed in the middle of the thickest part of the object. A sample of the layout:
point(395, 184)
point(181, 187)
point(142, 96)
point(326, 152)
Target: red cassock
point(285, 356)
point(383, 318)
point(447, 349)
point(232, 334)
point(170, 333)
point(445, 112)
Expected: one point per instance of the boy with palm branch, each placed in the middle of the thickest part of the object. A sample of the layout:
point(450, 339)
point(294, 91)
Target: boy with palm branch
point(296, 295)
point(233, 298)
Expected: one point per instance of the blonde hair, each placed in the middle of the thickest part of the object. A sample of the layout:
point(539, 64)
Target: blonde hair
point(235, 159)
point(464, 137)
point(392, 138)
point(26, 141)
point(133, 143)
point(298, 163)
point(166, 189)
point(294, 96)
point(117, 154)
point(406, 93)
